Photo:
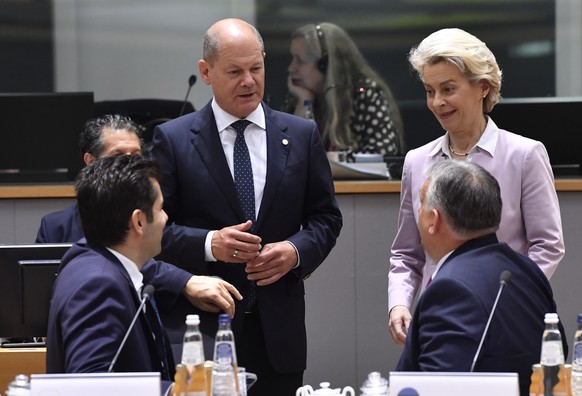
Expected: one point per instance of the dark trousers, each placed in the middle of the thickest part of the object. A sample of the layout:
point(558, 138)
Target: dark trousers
point(252, 354)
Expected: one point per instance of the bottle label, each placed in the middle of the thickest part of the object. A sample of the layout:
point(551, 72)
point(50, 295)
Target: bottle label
point(224, 353)
point(552, 353)
point(577, 359)
point(192, 353)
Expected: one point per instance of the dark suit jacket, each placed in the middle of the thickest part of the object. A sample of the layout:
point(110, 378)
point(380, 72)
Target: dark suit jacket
point(92, 305)
point(298, 205)
point(62, 226)
point(451, 314)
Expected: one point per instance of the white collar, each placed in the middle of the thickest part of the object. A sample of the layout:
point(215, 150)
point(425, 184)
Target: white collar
point(224, 119)
point(134, 274)
point(487, 142)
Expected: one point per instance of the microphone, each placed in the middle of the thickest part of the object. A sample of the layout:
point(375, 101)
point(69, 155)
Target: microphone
point(503, 281)
point(146, 294)
point(191, 82)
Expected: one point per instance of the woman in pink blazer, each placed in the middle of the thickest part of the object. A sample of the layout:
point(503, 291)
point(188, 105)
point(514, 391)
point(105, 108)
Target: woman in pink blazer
point(462, 81)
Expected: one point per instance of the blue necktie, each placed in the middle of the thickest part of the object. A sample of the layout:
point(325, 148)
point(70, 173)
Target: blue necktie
point(243, 172)
point(245, 188)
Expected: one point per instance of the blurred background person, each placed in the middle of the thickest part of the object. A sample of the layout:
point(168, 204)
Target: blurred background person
point(100, 137)
point(462, 81)
point(353, 107)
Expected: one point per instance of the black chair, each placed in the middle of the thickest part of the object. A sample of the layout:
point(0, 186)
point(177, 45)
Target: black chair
point(147, 113)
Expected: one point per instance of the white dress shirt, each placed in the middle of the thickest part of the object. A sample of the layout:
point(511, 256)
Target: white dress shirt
point(256, 140)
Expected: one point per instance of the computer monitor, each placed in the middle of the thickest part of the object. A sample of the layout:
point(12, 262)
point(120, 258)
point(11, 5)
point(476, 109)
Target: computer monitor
point(40, 136)
point(552, 121)
point(27, 274)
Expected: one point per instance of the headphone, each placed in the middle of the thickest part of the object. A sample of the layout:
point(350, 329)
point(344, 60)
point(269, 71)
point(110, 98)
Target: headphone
point(323, 61)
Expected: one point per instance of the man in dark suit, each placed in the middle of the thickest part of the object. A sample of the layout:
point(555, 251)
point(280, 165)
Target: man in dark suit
point(266, 248)
point(102, 136)
point(459, 214)
point(97, 291)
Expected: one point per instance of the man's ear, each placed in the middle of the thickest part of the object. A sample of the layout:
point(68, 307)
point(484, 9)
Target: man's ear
point(137, 221)
point(435, 222)
point(88, 158)
point(204, 69)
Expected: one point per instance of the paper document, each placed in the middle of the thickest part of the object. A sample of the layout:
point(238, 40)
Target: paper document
point(359, 171)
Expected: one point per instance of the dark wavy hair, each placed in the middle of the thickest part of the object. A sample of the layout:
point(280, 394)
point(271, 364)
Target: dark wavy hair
point(91, 138)
point(109, 190)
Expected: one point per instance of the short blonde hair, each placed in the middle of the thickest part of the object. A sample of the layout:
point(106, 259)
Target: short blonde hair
point(465, 51)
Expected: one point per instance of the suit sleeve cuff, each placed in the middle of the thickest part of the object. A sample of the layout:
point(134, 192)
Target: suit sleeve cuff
point(296, 252)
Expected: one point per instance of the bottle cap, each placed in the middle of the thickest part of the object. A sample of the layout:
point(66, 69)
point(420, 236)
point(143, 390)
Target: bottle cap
point(551, 318)
point(192, 320)
point(223, 318)
point(579, 318)
point(375, 384)
point(20, 386)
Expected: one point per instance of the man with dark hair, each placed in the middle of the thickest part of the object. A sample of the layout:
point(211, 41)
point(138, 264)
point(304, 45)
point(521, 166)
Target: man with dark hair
point(106, 135)
point(97, 290)
point(459, 214)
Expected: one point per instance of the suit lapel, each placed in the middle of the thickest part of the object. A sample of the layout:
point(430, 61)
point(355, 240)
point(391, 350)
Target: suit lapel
point(148, 319)
point(206, 142)
point(278, 146)
point(150, 323)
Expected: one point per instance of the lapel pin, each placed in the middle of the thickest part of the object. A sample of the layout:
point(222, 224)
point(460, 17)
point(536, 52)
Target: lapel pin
point(285, 142)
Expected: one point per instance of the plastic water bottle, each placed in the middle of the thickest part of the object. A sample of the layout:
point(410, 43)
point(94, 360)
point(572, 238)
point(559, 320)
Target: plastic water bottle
point(224, 368)
point(375, 385)
point(193, 357)
point(536, 386)
point(308, 110)
point(552, 358)
point(576, 381)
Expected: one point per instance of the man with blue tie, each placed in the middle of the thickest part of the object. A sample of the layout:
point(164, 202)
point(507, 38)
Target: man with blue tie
point(97, 290)
point(250, 198)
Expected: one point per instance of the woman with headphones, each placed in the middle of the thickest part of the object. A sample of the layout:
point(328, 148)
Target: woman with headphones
point(354, 108)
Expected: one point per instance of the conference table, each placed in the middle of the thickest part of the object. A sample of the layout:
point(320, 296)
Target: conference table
point(14, 361)
point(357, 267)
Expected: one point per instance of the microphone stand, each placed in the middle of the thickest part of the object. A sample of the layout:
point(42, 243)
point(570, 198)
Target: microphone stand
point(503, 279)
point(191, 82)
point(148, 291)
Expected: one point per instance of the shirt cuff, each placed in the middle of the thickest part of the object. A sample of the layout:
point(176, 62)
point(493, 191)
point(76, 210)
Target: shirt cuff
point(297, 252)
point(208, 256)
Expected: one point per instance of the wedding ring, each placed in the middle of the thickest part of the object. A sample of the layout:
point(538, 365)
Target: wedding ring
point(235, 253)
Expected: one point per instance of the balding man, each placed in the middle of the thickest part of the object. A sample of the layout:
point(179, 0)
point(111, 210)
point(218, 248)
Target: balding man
point(249, 192)
point(459, 214)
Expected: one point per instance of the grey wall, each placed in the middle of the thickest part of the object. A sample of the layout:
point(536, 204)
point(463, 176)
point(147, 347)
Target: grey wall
point(136, 48)
point(148, 49)
point(346, 297)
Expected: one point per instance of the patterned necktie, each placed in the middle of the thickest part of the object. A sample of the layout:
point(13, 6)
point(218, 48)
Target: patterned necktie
point(243, 172)
point(245, 187)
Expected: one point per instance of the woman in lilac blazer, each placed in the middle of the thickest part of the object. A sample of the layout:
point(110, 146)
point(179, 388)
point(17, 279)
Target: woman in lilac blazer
point(462, 81)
